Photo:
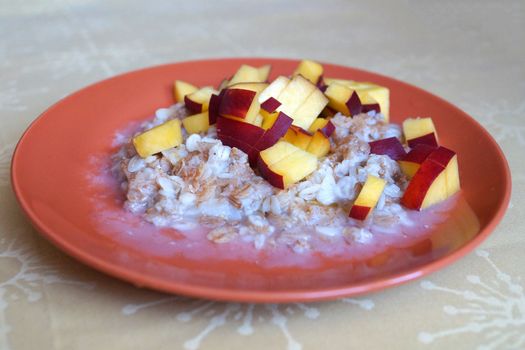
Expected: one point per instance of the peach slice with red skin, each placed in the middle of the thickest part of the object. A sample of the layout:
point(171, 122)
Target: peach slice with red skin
point(239, 104)
point(305, 115)
point(159, 138)
point(268, 119)
point(436, 179)
point(411, 162)
point(364, 104)
point(270, 156)
point(245, 132)
point(350, 101)
point(250, 138)
point(240, 101)
point(284, 164)
point(198, 101)
point(367, 198)
point(270, 105)
point(323, 125)
point(311, 70)
point(428, 139)
point(448, 159)
point(366, 90)
point(213, 108)
point(297, 98)
point(420, 131)
point(298, 137)
point(295, 94)
point(275, 132)
point(338, 95)
point(390, 146)
point(274, 89)
point(181, 89)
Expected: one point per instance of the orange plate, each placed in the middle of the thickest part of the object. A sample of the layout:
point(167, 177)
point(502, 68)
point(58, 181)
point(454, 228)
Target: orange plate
point(54, 155)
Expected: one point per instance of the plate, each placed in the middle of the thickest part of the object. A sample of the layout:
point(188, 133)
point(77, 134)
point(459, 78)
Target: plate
point(54, 178)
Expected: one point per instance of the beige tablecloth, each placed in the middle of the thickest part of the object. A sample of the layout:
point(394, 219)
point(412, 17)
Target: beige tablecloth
point(470, 52)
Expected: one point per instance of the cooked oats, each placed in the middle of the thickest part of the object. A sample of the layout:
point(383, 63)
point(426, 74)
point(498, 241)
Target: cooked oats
point(212, 185)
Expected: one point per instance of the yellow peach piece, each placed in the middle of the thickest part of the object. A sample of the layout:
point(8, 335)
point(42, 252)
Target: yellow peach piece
point(294, 95)
point(181, 89)
point(311, 70)
point(295, 167)
point(310, 109)
point(196, 123)
point(159, 138)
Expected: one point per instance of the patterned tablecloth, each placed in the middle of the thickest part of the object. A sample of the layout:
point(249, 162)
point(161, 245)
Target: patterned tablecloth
point(470, 52)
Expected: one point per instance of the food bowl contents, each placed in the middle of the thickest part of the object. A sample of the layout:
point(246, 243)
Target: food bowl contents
point(290, 161)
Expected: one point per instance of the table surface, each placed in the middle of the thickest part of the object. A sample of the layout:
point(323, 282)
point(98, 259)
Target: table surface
point(470, 52)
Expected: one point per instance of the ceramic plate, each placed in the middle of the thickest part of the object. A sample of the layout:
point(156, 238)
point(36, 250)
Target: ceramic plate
point(56, 178)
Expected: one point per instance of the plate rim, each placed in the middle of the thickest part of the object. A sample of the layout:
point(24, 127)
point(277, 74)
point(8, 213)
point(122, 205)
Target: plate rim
point(365, 286)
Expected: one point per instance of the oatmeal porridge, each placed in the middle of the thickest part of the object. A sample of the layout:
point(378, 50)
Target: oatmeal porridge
point(355, 175)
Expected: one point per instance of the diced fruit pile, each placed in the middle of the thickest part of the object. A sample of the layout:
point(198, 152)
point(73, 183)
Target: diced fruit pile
point(432, 169)
point(284, 127)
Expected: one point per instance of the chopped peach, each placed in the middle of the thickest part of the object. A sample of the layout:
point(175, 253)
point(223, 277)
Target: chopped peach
point(295, 167)
point(294, 95)
point(324, 125)
point(181, 89)
point(346, 82)
point(269, 119)
point(319, 144)
point(270, 105)
point(257, 87)
point(436, 179)
point(239, 103)
point(338, 95)
point(264, 72)
point(235, 133)
point(298, 137)
point(213, 107)
point(410, 163)
point(245, 74)
point(196, 123)
point(380, 94)
point(278, 152)
point(250, 138)
point(310, 109)
point(365, 91)
point(420, 130)
point(390, 146)
point(273, 134)
point(159, 138)
point(448, 159)
point(274, 89)
point(199, 100)
point(367, 198)
point(283, 164)
point(311, 70)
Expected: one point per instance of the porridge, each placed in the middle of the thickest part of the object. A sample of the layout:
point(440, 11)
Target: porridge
point(328, 168)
